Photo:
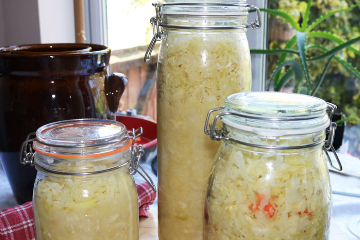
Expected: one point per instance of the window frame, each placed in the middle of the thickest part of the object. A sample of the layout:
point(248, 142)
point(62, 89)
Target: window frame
point(258, 40)
point(96, 21)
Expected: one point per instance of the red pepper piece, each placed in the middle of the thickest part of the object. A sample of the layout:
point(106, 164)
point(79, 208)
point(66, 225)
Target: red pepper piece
point(268, 208)
point(306, 211)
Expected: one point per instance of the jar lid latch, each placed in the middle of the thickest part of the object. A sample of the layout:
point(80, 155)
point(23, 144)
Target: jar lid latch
point(26, 148)
point(157, 23)
point(328, 146)
point(157, 32)
point(136, 152)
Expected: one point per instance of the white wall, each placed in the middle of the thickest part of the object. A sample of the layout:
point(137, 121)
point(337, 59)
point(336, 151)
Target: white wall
point(56, 21)
point(21, 22)
point(36, 21)
point(2, 30)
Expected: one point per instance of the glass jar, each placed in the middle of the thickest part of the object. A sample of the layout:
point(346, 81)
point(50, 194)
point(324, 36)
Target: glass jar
point(84, 187)
point(204, 55)
point(270, 179)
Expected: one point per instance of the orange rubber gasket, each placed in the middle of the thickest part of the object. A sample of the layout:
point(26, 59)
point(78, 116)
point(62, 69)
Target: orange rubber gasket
point(127, 146)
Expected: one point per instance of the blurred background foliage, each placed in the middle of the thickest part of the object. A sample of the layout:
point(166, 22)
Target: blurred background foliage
point(340, 86)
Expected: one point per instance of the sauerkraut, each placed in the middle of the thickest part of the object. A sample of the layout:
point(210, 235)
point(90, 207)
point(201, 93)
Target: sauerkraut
point(99, 206)
point(256, 193)
point(196, 71)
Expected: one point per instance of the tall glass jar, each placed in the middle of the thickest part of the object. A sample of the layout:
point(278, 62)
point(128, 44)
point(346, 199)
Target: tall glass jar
point(84, 187)
point(204, 56)
point(270, 179)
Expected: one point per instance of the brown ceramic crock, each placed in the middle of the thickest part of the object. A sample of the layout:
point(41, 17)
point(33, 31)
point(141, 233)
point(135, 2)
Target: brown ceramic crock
point(46, 83)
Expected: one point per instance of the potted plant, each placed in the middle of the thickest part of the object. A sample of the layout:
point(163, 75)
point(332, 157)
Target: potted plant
point(297, 53)
point(294, 57)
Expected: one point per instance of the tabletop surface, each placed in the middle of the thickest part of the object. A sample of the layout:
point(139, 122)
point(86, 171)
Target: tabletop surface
point(149, 228)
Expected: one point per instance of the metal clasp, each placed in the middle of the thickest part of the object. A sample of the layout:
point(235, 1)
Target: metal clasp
point(330, 140)
point(257, 23)
point(156, 22)
point(26, 148)
point(157, 32)
point(215, 134)
point(136, 152)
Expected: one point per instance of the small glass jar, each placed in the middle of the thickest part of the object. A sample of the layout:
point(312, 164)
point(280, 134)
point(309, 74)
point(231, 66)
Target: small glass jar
point(270, 179)
point(204, 56)
point(84, 187)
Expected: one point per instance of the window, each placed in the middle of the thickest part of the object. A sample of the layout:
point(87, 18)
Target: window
point(127, 32)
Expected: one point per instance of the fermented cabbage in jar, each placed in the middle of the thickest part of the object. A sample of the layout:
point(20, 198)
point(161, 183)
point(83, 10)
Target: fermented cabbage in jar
point(99, 206)
point(196, 71)
point(259, 193)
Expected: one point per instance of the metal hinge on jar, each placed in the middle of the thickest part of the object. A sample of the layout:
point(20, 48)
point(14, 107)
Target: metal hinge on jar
point(26, 148)
point(217, 134)
point(27, 154)
point(330, 140)
point(157, 22)
point(136, 152)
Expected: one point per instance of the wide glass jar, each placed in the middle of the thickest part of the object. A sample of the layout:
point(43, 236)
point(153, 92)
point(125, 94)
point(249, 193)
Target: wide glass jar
point(204, 56)
point(84, 187)
point(270, 179)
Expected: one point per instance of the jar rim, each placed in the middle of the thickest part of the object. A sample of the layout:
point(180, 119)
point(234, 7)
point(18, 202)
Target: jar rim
point(275, 113)
point(86, 132)
point(94, 155)
point(82, 138)
point(205, 1)
point(205, 9)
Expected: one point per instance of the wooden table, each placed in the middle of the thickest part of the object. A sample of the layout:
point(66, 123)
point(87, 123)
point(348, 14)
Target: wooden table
point(149, 226)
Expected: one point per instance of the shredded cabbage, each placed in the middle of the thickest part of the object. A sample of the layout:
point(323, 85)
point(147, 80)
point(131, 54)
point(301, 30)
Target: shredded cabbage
point(196, 71)
point(99, 206)
point(269, 194)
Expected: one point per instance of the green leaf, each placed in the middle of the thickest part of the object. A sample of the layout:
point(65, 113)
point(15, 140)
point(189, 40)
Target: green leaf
point(283, 56)
point(296, 72)
point(283, 15)
point(352, 120)
point(303, 90)
point(296, 67)
point(347, 65)
point(331, 37)
point(322, 76)
point(273, 51)
point(284, 79)
point(336, 49)
point(301, 38)
point(322, 18)
point(306, 17)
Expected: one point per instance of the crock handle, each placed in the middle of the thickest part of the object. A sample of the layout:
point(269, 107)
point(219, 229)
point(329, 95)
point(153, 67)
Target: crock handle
point(114, 88)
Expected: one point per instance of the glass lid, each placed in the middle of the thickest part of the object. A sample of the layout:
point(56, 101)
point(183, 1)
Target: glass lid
point(215, 8)
point(277, 104)
point(275, 113)
point(206, 1)
point(84, 132)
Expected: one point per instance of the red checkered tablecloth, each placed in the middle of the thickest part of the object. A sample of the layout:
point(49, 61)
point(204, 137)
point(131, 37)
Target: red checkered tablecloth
point(17, 223)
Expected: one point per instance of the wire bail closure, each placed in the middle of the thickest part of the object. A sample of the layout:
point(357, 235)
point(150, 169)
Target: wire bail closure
point(157, 24)
point(329, 142)
point(217, 134)
point(136, 152)
point(27, 154)
point(157, 32)
point(26, 147)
